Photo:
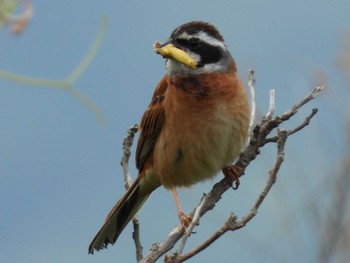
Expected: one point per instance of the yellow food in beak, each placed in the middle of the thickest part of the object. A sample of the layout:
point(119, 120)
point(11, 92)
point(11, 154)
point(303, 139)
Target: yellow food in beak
point(171, 52)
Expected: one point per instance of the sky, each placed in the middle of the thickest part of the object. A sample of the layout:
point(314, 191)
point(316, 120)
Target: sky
point(60, 169)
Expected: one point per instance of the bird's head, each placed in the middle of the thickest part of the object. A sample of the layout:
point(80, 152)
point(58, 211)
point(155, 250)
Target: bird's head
point(195, 48)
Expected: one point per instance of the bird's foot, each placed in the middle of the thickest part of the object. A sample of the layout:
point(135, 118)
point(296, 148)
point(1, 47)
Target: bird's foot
point(233, 172)
point(184, 219)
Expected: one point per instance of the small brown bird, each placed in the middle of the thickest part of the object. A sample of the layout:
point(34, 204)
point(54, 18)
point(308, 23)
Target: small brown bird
point(195, 126)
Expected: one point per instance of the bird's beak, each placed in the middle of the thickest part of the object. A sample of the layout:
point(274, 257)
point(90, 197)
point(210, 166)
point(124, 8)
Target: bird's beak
point(168, 50)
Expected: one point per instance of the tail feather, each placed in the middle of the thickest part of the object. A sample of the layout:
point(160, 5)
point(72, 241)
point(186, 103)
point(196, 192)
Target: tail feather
point(119, 217)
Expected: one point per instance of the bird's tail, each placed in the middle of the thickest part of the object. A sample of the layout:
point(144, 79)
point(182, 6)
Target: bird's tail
point(121, 214)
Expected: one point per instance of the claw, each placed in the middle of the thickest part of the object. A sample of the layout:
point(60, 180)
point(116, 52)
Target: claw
point(185, 220)
point(233, 172)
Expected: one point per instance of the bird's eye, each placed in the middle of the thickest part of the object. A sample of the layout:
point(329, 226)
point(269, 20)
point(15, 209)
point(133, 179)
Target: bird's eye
point(193, 42)
point(181, 41)
point(189, 43)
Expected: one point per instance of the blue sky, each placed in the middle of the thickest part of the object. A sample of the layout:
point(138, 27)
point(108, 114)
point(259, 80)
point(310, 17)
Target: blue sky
point(59, 169)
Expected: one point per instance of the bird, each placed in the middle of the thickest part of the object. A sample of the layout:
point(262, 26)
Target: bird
point(195, 126)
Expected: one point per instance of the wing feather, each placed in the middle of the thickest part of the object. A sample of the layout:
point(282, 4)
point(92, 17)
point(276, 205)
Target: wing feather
point(151, 125)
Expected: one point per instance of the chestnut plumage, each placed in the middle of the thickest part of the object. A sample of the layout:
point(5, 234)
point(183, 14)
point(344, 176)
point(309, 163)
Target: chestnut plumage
point(195, 126)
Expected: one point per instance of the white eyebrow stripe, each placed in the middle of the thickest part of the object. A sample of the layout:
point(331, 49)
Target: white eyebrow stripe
point(205, 38)
point(184, 35)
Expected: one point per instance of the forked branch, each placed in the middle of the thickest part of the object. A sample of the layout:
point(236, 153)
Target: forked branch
point(258, 138)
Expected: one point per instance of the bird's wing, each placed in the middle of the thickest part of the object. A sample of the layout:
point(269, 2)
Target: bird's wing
point(127, 207)
point(151, 124)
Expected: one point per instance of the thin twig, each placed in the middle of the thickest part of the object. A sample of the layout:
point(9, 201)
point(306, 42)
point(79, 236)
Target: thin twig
point(67, 84)
point(223, 229)
point(305, 100)
point(302, 125)
point(282, 137)
point(251, 83)
point(194, 222)
point(87, 59)
point(272, 104)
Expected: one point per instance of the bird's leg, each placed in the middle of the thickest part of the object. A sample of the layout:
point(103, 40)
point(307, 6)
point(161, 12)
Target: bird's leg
point(233, 172)
point(184, 219)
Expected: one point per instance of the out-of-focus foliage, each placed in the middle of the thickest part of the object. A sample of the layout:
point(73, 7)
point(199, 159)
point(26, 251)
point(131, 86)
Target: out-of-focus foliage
point(17, 22)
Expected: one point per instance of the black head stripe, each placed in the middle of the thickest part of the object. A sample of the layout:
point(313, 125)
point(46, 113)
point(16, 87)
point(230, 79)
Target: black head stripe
point(209, 54)
point(195, 27)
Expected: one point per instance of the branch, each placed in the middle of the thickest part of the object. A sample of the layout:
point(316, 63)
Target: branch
point(68, 83)
point(137, 239)
point(257, 140)
point(231, 223)
point(127, 143)
point(302, 125)
point(251, 83)
point(272, 105)
point(194, 222)
point(297, 106)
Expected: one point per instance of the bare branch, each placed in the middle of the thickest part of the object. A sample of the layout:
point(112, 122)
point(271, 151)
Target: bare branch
point(257, 140)
point(159, 249)
point(282, 137)
point(306, 122)
point(231, 223)
point(251, 83)
point(137, 239)
point(194, 222)
point(302, 125)
point(272, 105)
point(127, 143)
point(68, 83)
point(228, 225)
point(308, 98)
